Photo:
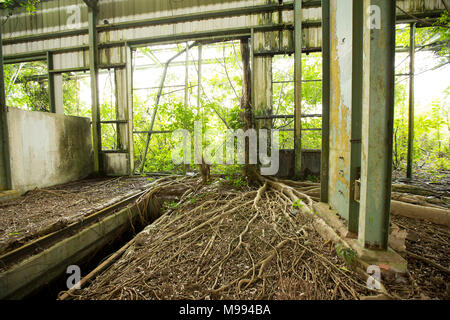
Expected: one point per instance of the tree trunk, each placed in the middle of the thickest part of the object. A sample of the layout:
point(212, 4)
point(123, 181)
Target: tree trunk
point(249, 171)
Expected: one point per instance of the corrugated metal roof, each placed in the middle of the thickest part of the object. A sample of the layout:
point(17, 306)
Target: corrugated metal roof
point(68, 15)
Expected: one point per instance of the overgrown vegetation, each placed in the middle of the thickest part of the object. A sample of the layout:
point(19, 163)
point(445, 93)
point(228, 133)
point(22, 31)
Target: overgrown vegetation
point(432, 121)
point(219, 107)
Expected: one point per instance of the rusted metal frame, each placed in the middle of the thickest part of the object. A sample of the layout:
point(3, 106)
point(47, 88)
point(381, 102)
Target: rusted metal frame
point(218, 35)
point(26, 59)
point(158, 97)
point(291, 81)
point(431, 17)
point(287, 116)
point(166, 20)
point(55, 35)
point(95, 99)
point(412, 53)
point(325, 156)
point(117, 122)
point(121, 108)
point(304, 129)
point(252, 75)
point(190, 17)
point(356, 113)
point(232, 33)
point(84, 69)
point(227, 33)
point(152, 132)
point(115, 151)
point(377, 127)
point(199, 79)
point(129, 89)
point(298, 88)
point(186, 78)
point(114, 121)
point(286, 52)
point(4, 125)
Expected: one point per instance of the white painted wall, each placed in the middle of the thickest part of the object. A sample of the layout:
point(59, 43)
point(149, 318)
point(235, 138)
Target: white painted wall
point(48, 149)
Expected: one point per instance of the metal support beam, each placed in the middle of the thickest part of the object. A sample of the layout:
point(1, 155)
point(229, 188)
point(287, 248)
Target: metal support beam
point(199, 79)
point(122, 122)
point(324, 174)
point(298, 88)
point(55, 87)
point(377, 125)
point(430, 17)
point(412, 53)
point(93, 67)
point(129, 91)
point(59, 93)
point(186, 78)
point(356, 113)
point(51, 83)
point(5, 168)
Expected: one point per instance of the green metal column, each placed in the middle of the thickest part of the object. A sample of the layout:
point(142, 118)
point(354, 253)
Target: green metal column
point(51, 83)
point(377, 124)
point(356, 112)
point(412, 53)
point(5, 168)
point(324, 175)
point(93, 65)
point(298, 88)
point(129, 90)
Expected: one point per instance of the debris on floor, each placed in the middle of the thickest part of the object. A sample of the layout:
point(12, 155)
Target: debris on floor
point(217, 243)
point(43, 211)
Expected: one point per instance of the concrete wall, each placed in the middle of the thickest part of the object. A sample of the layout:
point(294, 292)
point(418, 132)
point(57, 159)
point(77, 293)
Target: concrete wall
point(311, 160)
point(116, 164)
point(48, 149)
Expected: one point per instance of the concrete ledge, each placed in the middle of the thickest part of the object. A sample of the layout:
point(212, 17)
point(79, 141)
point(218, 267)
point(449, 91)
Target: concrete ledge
point(38, 270)
point(9, 195)
point(332, 227)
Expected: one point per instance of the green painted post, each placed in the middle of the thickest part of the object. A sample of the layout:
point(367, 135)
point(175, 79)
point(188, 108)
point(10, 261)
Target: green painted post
point(356, 114)
point(412, 53)
point(4, 147)
point(129, 66)
point(377, 123)
point(324, 175)
point(298, 88)
point(51, 83)
point(93, 67)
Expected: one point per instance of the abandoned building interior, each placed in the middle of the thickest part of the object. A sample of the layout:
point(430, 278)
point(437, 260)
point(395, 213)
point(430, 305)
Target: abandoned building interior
point(92, 92)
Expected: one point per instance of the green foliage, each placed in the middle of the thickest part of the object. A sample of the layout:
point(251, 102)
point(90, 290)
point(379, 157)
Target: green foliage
point(298, 204)
point(170, 205)
point(221, 109)
point(24, 88)
point(350, 256)
point(29, 5)
point(432, 135)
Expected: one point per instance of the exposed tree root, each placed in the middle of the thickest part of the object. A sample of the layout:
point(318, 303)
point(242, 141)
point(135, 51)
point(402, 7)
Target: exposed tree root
point(251, 244)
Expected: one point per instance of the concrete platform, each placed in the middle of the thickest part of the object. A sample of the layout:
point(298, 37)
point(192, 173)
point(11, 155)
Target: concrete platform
point(388, 261)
